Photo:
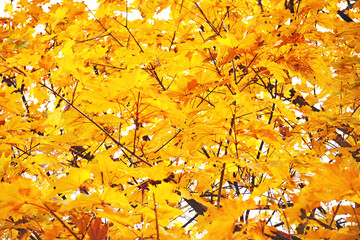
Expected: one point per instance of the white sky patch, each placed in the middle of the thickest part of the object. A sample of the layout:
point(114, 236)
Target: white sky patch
point(133, 15)
point(2, 9)
point(39, 29)
point(91, 4)
point(322, 29)
point(164, 14)
point(295, 80)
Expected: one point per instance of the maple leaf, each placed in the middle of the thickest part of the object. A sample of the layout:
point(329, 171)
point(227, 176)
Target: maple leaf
point(96, 231)
point(74, 180)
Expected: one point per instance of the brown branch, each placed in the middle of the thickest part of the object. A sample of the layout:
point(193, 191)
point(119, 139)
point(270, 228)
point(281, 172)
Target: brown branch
point(87, 227)
point(62, 222)
point(97, 125)
point(23, 98)
point(172, 40)
point(333, 217)
point(252, 60)
point(103, 65)
point(136, 122)
point(344, 16)
point(191, 219)
point(202, 99)
point(36, 235)
point(207, 20)
point(168, 141)
point(17, 69)
point(220, 185)
point(196, 206)
point(355, 110)
point(260, 5)
point(298, 6)
point(154, 74)
point(181, 5)
point(320, 222)
point(106, 30)
point(262, 142)
point(287, 225)
point(234, 70)
point(341, 141)
point(205, 152)
point(97, 37)
point(235, 133)
point(133, 37)
point(26, 152)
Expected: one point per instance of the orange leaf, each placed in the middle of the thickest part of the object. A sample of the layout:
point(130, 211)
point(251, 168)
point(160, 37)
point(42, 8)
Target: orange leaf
point(96, 231)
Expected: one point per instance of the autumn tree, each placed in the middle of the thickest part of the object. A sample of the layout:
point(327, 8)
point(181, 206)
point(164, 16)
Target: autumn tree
point(231, 119)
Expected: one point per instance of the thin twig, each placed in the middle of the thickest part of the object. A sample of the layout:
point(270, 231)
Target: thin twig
point(320, 222)
point(252, 60)
point(355, 110)
point(103, 65)
point(87, 227)
point(262, 141)
point(136, 121)
point(167, 141)
point(287, 225)
point(336, 210)
point(172, 40)
point(103, 26)
point(26, 152)
point(191, 219)
point(218, 153)
point(260, 5)
point(234, 70)
point(62, 222)
point(17, 69)
point(93, 38)
point(36, 235)
point(202, 99)
point(207, 20)
point(220, 185)
point(133, 37)
point(181, 5)
point(205, 152)
point(154, 74)
point(97, 125)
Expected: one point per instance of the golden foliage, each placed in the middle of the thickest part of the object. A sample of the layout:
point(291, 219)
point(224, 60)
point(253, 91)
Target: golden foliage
point(225, 120)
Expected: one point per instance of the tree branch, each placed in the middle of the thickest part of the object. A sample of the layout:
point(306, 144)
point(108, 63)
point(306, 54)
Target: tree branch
point(220, 185)
point(97, 125)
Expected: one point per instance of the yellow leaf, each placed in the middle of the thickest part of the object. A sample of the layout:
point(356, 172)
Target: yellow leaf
point(73, 180)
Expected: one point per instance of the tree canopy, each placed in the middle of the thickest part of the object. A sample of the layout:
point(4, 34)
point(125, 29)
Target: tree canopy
point(228, 119)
